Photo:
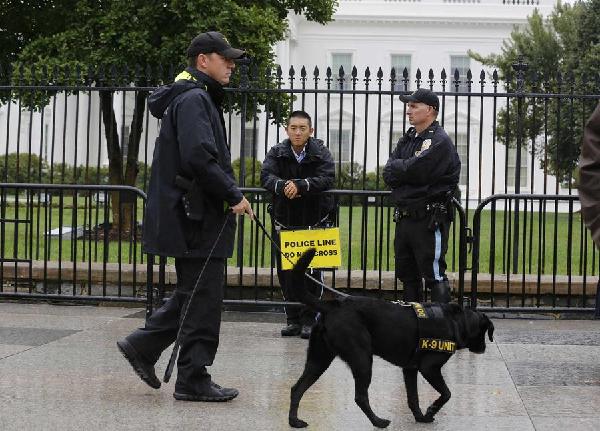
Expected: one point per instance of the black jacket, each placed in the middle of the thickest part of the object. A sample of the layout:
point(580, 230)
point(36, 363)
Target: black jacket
point(589, 175)
point(313, 175)
point(422, 168)
point(191, 143)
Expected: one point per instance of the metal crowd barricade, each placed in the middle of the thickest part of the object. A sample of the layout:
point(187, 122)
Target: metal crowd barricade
point(57, 244)
point(540, 256)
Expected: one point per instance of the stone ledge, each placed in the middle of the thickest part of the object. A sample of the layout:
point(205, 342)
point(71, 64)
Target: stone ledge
point(264, 277)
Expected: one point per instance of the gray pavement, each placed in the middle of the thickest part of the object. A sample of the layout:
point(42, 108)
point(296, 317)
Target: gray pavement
point(60, 370)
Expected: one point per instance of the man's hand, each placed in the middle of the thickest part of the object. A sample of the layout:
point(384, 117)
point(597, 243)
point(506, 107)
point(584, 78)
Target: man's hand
point(290, 190)
point(243, 207)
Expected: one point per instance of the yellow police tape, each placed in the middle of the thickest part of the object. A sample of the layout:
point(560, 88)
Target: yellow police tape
point(326, 241)
point(437, 345)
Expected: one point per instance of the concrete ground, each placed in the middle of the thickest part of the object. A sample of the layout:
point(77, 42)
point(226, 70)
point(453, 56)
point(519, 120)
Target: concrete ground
point(60, 370)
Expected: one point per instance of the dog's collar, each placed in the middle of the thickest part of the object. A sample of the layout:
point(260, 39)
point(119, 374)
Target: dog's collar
point(429, 311)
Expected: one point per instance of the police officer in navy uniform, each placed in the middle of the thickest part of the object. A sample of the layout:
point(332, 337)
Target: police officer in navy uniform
point(297, 171)
point(192, 161)
point(423, 172)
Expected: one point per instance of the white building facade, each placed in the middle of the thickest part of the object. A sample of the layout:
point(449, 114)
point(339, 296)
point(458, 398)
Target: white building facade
point(359, 127)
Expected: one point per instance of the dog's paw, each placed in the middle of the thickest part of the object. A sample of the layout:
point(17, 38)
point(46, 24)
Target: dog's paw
point(381, 423)
point(424, 419)
point(297, 423)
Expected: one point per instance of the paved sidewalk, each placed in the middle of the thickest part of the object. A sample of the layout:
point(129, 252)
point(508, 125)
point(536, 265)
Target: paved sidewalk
point(60, 370)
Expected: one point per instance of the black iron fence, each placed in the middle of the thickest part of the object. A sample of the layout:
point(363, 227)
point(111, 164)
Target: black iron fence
point(528, 255)
point(58, 242)
point(513, 135)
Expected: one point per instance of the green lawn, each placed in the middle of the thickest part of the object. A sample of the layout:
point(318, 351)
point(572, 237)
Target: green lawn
point(544, 239)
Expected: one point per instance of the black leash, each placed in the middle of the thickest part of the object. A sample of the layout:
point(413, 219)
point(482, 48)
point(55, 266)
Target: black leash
point(310, 277)
point(175, 351)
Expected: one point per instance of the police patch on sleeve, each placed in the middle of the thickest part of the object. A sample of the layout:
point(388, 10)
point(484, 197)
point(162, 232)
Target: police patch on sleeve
point(424, 146)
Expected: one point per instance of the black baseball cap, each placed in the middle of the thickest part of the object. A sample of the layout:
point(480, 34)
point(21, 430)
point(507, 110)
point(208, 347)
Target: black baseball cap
point(213, 41)
point(425, 96)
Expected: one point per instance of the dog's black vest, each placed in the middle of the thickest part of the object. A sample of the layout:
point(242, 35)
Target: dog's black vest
point(433, 332)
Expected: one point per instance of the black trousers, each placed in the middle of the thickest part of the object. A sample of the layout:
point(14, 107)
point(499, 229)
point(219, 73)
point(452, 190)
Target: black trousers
point(420, 254)
point(200, 331)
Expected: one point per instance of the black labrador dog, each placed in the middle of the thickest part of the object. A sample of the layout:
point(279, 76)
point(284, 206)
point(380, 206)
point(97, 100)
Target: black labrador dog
point(356, 328)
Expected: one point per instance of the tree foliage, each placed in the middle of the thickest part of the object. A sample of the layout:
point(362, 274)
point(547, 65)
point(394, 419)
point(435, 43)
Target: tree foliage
point(145, 41)
point(562, 53)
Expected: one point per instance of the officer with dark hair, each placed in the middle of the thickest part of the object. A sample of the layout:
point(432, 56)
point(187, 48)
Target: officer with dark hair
point(191, 196)
point(423, 172)
point(296, 171)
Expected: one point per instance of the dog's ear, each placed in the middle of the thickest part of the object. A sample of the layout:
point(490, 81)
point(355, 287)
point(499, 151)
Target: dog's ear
point(489, 327)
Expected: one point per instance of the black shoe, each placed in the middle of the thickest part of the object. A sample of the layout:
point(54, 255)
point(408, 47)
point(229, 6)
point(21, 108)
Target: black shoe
point(305, 332)
point(291, 330)
point(214, 393)
point(141, 367)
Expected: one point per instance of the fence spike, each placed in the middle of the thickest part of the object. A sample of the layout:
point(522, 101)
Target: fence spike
point(148, 73)
point(89, 75)
point(32, 75)
point(431, 79)
point(44, 77)
point(21, 76)
point(253, 72)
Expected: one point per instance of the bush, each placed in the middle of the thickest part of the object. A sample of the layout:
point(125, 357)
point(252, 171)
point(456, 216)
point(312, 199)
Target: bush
point(22, 168)
point(250, 179)
point(25, 168)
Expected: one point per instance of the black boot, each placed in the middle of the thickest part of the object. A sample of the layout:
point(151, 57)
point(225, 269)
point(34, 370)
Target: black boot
point(413, 291)
point(291, 330)
point(440, 291)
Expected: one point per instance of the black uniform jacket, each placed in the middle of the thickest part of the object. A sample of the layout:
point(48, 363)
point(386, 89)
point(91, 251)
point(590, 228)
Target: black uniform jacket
point(589, 175)
point(422, 168)
point(313, 175)
point(191, 143)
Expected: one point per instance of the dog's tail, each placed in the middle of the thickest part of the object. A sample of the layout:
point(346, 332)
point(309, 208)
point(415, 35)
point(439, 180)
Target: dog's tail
point(298, 279)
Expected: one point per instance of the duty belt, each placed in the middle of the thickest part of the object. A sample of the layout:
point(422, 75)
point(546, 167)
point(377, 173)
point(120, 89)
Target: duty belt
point(421, 211)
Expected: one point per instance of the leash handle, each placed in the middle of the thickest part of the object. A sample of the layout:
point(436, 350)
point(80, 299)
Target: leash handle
point(310, 277)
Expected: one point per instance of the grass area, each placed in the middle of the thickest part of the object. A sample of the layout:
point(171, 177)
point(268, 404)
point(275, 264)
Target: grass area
point(551, 242)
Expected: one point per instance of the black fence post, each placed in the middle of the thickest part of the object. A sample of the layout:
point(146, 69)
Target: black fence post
point(597, 312)
point(520, 67)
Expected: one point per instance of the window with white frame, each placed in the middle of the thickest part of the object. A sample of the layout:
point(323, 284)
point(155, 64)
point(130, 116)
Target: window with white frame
point(250, 140)
point(399, 63)
point(396, 135)
point(339, 145)
point(125, 141)
point(511, 168)
point(344, 60)
point(462, 63)
point(462, 145)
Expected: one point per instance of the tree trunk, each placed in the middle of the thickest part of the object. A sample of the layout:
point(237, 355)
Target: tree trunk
point(122, 205)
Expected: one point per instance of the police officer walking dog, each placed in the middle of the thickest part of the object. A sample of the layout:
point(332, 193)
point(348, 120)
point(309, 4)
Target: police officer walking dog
point(191, 184)
point(296, 171)
point(423, 173)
